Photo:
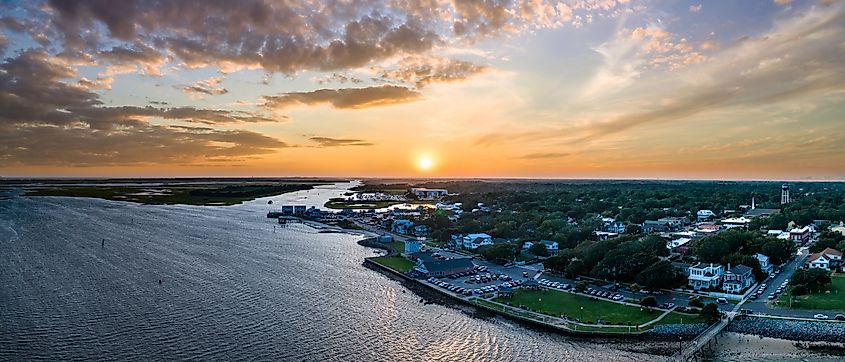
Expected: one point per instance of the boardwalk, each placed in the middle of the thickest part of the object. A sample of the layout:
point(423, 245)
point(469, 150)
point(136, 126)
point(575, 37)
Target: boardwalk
point(689, 351)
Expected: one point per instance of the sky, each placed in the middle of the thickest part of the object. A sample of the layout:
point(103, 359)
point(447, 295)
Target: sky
point(424, 88)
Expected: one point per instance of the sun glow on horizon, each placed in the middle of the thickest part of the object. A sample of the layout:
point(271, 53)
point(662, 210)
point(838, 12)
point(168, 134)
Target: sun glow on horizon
point(425, 163)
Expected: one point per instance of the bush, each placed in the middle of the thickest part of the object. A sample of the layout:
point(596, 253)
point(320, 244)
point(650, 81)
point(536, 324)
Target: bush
point(696, 302)
point(648, 302)
point(711, 313)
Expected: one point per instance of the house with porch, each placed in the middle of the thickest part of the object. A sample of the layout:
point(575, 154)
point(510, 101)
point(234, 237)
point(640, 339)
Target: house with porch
point(828, 259)
point(765, 265)
point(474, 241)
point(737, 279)
point(703, 276)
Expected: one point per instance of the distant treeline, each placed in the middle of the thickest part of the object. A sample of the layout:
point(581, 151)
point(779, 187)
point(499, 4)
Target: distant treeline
point(249, 190)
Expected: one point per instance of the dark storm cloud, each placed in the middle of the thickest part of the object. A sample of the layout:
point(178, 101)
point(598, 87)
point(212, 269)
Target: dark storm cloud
point(346, 98)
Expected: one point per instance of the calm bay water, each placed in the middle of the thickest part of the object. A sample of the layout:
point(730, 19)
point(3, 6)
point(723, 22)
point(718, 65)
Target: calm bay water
point(231, 288)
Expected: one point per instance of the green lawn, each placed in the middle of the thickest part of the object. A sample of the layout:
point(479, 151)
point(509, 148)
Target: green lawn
point(679, 318)
point(835, 300)
point(395, 262)
point(561, 303)
point(399, 246)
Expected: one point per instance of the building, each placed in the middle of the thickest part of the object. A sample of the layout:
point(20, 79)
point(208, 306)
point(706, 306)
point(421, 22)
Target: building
point(765, 265)
point(674, 244)
point(733, 222)
point(428, 194)
point(800, 236)
point(675, 223)
point(784, 194)
point(738, 279)
point(402, 226)
point(412, 246)
point(705, 276)
point(604, 235)
point(421, 230)
point(826, 259)
point(838, 228)
point(617, 227)
point(385, 238)
point(653, 226)
point(757, 212)
point(434, 267)
point(473, 241)
point(707, 228)
point(705, 215)
point(551, 246)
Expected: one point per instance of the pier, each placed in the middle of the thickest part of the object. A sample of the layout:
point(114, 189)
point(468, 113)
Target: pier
point(692, 350)
point(284, 221)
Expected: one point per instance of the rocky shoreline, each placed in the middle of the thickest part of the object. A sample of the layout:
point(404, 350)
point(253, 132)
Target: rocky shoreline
point(795, 330)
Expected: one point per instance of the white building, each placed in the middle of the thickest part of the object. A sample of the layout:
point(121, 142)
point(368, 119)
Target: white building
point(473, 241)
point(705, 276)
point(764, 263)
point(428, 194)
point(826, 259)
point(705, 214)
point(551, 246)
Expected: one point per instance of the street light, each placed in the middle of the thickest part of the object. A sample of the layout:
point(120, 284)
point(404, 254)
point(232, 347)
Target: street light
point(680, 345)
point(582, 314)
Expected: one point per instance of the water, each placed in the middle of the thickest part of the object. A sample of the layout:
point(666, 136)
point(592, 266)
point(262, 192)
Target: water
point(231, 288)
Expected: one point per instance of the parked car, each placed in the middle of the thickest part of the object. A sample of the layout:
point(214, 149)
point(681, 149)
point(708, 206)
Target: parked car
point(618, 297)
point(839, 317)
point(821, 316)
point(721, 301)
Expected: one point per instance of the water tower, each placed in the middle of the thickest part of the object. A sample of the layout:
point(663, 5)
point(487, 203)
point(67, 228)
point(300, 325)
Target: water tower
point(784, 194)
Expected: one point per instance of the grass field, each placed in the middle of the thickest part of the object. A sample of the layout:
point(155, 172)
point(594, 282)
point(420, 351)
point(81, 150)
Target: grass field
point(678, 318)
point(561, 303)
point(395, 262)
point(835, 300)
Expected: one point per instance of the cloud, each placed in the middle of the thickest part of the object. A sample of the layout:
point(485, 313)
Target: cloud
point(136, 144)
point(541, 155)
point(337, 142)
point(422, 71)
point(346, 98)
point(210, 86)
point(782, 2)
point(695, 8)
point(48, 119)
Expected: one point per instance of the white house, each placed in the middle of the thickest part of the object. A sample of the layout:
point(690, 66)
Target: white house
point(473, 241)
point(826, 259)
point(551, 246)
point(764, 263)
point(705, 276)
point(705, 214)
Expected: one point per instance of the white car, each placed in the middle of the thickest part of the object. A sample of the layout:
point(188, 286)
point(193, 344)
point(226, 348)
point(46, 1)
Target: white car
point(821, 316)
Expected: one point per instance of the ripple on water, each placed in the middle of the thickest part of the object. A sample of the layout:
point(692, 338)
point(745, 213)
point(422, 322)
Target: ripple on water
point(231, 289)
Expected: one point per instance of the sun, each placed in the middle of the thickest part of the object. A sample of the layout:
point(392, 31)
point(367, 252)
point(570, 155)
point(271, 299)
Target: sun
point(425, 163)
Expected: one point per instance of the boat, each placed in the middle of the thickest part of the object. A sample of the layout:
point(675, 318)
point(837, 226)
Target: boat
point(269, 202)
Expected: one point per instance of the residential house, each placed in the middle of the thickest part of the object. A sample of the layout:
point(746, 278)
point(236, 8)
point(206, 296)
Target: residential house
point(653, 226)
point(675, 223)
point(737, 279)
point(800, 236)
point(673, 245)
point(707, 228)
point(617, 227)
point(765, 265)
point(704, 215)
point(551, 246)
point(604, 235)
point(473, 241)
point(703, 276)
point(838, 228)
point(826, 259)
point(412, 246)
point(402, 226)
point(428, 194)
point(420, 230)
point(734, 222)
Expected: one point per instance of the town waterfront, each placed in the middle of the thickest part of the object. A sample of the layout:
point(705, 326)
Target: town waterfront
point(87, 278)
point(231, 288)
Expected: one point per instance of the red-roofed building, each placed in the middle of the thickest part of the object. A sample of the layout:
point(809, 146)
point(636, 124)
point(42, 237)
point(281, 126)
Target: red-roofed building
point(826, 259)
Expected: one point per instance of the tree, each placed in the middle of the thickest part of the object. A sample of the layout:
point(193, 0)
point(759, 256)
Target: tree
point(778, 250)
point(648, 301)
point(711, 313)
point(557, 264)
point(581, 286)
point(711, 250)
point(538, 249)
point(499, 253)
point(827, 239)
point(660, 275)
point(654, 245)
point(812, 279)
